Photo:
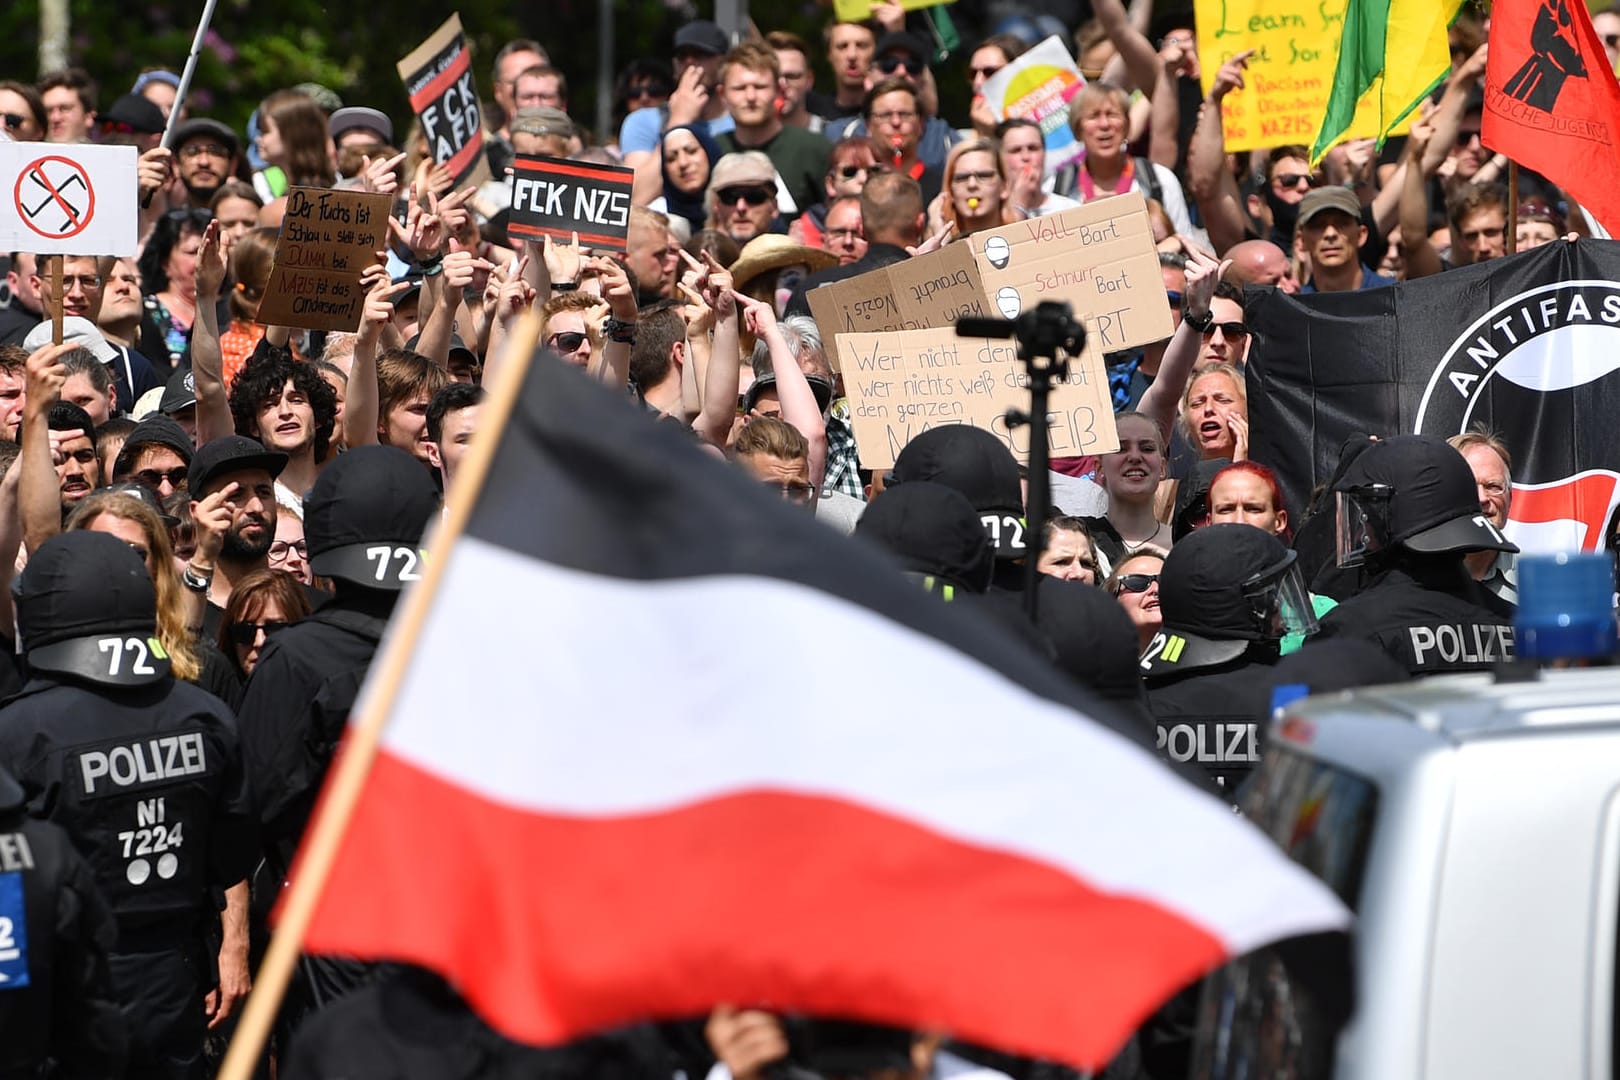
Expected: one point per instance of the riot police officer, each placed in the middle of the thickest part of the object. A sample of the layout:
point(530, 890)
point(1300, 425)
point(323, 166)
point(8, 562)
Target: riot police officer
point(1408, 513)
point(363, 524)
point(144, 773)
point(56, 998)
point(1228, 594)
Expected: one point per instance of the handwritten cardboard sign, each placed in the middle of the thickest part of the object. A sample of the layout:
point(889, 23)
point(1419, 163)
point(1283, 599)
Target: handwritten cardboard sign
point(1290, 77)
point(913, 294)
point(1039, 85)
point(555, 197)
point(903, 383)
point(1099, 257)
point(439, 81)
point(327, 239)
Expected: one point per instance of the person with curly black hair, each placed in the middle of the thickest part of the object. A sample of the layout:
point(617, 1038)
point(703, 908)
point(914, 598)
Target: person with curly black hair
point(287, 406)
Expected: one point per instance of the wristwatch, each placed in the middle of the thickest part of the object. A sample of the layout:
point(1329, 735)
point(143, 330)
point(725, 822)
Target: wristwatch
point(197, 583)
point(1201, 322)
point(620, 330)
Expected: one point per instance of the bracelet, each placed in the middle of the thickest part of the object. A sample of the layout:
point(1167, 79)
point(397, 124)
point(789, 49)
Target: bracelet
point(194, 581)
point(564, 286)
point(435, 270)
point(619, 330)
point(427, 265)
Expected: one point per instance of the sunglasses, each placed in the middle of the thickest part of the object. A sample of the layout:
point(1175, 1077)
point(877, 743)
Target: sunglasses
point(13, 120)
point(245, 633)
point(985, 71)
point(154, 478)
point(753, 196)
point(1137, 582)
point(647, 90)
point(566, 342)
point(1173, 296)
point(1291, 179)
point(1232, 331)
point(850, 172)
point(793, 491)
point(890, 64)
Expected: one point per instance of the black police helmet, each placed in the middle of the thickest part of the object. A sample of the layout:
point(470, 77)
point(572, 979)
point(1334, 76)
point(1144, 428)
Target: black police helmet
point(370, 498)
point(86, 607)
point(1427, 499)
point(980, 466)
point(1202, 585)
point(1094, 639)
point(933, 530)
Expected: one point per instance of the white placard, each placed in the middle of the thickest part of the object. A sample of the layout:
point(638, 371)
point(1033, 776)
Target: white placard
point(68, 199)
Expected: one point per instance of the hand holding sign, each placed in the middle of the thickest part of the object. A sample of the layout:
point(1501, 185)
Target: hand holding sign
point(45, 376)
point(153, 170)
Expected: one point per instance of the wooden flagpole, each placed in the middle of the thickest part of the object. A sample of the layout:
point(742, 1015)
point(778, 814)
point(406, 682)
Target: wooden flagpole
point(325, 833)
point(1510, 242)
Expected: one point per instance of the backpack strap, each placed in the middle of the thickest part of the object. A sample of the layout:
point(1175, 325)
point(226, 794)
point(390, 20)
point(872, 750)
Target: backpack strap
point(1150, 180)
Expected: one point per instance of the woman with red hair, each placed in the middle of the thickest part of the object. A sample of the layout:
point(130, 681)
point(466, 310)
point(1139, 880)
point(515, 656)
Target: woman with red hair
point(1247, 492)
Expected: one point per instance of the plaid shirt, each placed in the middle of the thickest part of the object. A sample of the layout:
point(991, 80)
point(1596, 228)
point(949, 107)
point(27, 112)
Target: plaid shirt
point(843, 466)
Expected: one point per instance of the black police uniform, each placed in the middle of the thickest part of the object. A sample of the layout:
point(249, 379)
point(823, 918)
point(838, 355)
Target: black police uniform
point(144, 773)
point(1206, 669)
point(56, 996)
point(363, 522)
point(1418, 511)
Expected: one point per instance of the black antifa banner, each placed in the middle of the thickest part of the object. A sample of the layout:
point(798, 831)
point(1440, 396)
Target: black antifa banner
point(439, 80)
point(1527, 347)
point(557, 198)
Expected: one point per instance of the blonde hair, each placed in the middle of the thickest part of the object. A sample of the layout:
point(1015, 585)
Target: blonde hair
point(1212, 367)
point(172, 630)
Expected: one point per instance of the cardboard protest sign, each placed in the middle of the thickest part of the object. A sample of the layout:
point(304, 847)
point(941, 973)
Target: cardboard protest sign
point(913, 294)
point(903, 383)
point(327, 239)
point(555, 197)
point(861, 10)
point(1290, 77)
point(1099, 257)
point(439, 81)
point(1039, 85)
point(68, 199)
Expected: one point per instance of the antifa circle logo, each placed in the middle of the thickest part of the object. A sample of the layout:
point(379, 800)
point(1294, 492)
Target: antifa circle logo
point(1542, 370)
point(1554, 58)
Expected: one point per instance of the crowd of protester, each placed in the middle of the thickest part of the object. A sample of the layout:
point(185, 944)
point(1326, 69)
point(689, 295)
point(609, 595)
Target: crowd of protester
point(1173, 574)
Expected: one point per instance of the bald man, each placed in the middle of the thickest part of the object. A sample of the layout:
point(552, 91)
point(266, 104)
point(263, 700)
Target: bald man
point(1260, 262)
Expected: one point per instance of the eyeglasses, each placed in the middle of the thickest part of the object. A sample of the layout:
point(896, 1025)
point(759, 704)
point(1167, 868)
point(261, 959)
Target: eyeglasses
point(280, 549)
point(850, 172)
point(566, 342)
point(753, 196)
point(793, 491)
point(13, 120)
point(1291, 179)
point(83, 281)
point(963, 179)
point(984, 71)
point(1136, 583)
point(196, 150)
point(890, 64)
point(1231, 331)
point(155, 478)
point(895, 117)
point(246, 633)
point(646, 90)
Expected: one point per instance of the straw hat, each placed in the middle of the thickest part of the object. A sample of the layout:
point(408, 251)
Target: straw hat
point(772, 251)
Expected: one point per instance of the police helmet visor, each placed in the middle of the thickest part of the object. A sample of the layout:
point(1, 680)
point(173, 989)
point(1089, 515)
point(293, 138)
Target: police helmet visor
point(1362, 519)
point(1279, 601)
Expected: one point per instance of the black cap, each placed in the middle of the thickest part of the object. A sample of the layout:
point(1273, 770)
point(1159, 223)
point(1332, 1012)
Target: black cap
point(201, 127)
point(179, 392)
point(1201, 585)
point(370, 496)
point(457, 345)
point(902, 41)
point(228, 454)
point(360, 118)
point(701, 35)
point(977, 464)
point(820, 387)
point(1095, 641)
point(135, 112)
point(155, 430)
point(78, 589)
point(1434, 502)
point(934, 531)
point(1192, 497)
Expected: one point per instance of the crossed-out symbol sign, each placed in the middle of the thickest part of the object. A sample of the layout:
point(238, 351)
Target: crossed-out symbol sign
point(54, 197)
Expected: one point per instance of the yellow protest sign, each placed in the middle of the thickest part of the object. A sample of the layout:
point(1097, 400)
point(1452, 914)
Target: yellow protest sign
point(1290, 77)
point(861, 10)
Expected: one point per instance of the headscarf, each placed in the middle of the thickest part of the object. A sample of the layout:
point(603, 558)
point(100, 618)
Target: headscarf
point(688, 205)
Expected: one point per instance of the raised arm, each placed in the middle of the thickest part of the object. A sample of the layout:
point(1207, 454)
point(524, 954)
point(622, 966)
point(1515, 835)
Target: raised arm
point(361, 403)
point(1141, 59)
point(620, 331)
point(1164, 396)
point(40, 489)
point(1420, 256)
point(516, 297)
point(799, 406)
point(1213, 188)
point(720, 381)
point(207, 360)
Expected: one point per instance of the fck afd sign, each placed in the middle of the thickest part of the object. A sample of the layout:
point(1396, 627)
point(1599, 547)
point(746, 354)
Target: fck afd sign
point(555, 197)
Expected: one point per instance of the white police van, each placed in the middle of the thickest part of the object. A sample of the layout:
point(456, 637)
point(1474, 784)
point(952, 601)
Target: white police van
point(1474, 827)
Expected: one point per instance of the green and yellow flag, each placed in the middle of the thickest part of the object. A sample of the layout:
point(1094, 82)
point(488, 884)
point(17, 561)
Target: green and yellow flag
point(1392, 56)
